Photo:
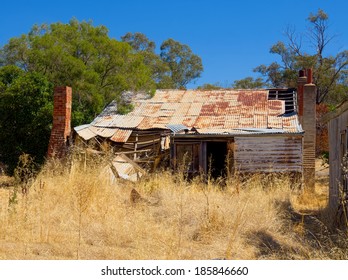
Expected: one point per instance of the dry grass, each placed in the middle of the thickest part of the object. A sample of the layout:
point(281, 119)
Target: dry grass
point(77, 213)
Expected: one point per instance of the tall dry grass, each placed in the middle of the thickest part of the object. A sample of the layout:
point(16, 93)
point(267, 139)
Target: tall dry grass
point(79, 213)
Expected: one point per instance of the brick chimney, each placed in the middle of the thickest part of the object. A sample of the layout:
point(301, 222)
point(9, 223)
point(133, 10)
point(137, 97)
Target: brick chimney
point(61, 128)
point(307, 116)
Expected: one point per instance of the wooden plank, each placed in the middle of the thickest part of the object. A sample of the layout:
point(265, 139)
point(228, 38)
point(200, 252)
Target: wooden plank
point(136, 166)
point(267, 154)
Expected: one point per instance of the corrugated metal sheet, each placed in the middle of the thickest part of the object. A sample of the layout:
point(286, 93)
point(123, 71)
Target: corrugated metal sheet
point(124, 169)
point(204, 122)
point(195, 109)
point(147, 123)
point(217, 109)
point(121, 135)
point(236, 132)
point(129, 121)
point(221, 131)
point(105, 132)
point(291, 124)
point(84, 132)
point(104, 121)
point(176, 127)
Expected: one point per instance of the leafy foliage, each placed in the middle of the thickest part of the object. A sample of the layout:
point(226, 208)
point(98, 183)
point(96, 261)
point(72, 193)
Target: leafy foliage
point(248, 83)
point(214, 86)
point(26, 106)
point(183, 64)
point(174, 67)
point(146, 48)
point(98, 68)
point(329, 72)
point(84, 57)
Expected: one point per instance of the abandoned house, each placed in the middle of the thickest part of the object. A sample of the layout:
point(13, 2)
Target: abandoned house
point(218, 131)
point(338, 147)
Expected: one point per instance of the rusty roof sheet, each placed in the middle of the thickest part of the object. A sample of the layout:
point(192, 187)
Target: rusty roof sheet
point(202, 109)
point(194, 109)
point(121, 135)
point(222, 131)
point(147, 123)
point(291, 124)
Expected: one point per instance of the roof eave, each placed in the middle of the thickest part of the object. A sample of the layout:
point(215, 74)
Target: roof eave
point(192, 136)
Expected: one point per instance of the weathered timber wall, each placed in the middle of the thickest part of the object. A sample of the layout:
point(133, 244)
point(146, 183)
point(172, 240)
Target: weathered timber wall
point(268, 154)
point(143, 140)
point(337, 149)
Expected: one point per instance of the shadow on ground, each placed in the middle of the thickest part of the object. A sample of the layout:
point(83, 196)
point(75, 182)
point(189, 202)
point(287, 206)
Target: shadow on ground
point(308, 236)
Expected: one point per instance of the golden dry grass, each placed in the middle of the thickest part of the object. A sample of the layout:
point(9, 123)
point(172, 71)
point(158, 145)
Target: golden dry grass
point(77, 213)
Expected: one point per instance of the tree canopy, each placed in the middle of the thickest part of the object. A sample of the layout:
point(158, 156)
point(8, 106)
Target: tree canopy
point(248, 83)
point(174, 67)
point(146, 48)
point(329, 71)
point(184, 65)
point(97, 67)
point(84, 57)
point(26, 105)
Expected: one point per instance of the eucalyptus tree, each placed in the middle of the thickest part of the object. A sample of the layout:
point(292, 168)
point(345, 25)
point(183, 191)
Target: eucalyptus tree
point(329, 71)
point(84, 57)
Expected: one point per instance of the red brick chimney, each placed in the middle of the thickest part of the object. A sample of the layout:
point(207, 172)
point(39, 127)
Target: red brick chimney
point(61, 128)
point(307, 117)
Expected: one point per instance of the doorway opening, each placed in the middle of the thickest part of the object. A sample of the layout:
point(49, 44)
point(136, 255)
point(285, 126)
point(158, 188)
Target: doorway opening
point(216, 159)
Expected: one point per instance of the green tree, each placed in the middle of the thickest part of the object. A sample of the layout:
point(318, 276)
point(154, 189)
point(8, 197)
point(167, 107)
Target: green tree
point(139, 42)
point(329, 72)
point(84, 57)
point(146, 48)
point(26, 104)
point(248, 83)
point(184, 65)
point(174, 67)
point(210, 86)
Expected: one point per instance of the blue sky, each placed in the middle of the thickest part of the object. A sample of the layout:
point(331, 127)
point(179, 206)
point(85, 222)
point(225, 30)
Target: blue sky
point(231, 37)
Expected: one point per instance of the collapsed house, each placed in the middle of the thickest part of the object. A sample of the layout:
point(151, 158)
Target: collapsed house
point(218, 131)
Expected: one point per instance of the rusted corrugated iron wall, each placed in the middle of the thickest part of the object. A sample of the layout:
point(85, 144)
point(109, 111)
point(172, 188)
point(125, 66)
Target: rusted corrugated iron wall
point(268, 154)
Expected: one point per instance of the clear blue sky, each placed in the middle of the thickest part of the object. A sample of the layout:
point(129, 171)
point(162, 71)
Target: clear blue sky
point(231, 37)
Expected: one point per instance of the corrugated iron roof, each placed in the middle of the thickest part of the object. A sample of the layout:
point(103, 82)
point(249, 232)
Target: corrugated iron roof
point(105, 132)
point(121, 135)
point(209, 110)
point(244, 131)
point(177, 127)
point(84, 131)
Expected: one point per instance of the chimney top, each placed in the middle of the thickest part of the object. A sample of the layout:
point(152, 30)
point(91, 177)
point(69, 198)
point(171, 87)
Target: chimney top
point(309, 76)
point(305, 76)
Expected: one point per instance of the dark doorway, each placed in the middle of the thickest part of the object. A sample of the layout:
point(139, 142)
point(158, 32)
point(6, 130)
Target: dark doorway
point(216, 159)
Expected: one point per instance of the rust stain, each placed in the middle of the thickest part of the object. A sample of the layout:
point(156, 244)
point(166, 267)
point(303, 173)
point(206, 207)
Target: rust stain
point(121, 135)
point(216, 109)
